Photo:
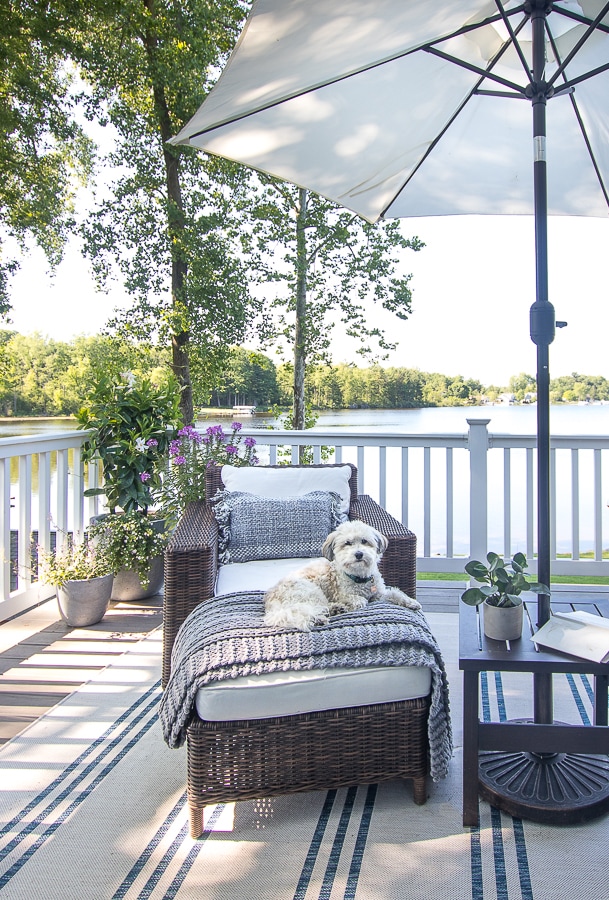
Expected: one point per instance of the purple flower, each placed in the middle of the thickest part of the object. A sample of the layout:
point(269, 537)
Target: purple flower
point(216, 431)
point(250, 442)
point(179, 460)
point(231, 450)
point(236, 426)
point(187, 431)
point(145, 476)
point(152, 443)
point(175, 447)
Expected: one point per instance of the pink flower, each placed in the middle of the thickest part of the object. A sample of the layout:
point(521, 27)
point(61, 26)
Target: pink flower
point(145, 476)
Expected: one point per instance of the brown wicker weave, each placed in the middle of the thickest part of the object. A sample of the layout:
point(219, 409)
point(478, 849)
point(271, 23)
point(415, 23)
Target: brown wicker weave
point(315, 751)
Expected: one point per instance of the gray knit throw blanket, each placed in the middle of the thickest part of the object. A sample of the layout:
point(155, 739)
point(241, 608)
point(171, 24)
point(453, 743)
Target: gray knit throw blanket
point(226, 637)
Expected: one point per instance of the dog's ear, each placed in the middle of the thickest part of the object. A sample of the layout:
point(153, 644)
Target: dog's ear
point(328, 546)
point(381, 542)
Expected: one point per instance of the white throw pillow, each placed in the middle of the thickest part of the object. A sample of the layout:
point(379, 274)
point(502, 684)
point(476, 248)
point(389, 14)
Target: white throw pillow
point(289, 481)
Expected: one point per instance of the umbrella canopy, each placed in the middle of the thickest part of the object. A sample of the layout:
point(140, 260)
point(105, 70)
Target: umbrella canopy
point(409, 108)
point(390, 108)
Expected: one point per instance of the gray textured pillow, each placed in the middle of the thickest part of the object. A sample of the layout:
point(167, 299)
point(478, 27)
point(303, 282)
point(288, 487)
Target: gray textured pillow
point(252, 527)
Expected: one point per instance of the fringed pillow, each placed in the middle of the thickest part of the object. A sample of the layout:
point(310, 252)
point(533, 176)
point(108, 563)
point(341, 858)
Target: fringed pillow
point(252, 527)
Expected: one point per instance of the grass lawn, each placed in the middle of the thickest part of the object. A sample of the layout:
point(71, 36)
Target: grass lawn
point(556, 579)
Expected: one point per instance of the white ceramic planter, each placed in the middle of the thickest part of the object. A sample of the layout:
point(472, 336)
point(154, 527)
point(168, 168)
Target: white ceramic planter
point(503, 623)
point(85, 602)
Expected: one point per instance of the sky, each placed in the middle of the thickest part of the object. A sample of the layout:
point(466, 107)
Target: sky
point(473, 285)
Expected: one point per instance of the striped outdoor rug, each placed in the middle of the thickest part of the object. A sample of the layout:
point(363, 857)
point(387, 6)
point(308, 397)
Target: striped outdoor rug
point(93, 807)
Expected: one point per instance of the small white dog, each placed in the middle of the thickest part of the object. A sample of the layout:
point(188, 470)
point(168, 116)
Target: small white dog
point(345, 580)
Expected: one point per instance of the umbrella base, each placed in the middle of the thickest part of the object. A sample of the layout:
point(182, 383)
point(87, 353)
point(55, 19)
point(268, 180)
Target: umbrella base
point(553, 788)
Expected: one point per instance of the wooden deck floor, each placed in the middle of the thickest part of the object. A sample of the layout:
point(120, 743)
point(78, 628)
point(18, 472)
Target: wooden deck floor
point(42, 659)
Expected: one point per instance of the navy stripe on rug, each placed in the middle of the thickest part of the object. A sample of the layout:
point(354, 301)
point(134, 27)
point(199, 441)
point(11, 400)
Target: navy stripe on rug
point(44, 824)
point(522, 860)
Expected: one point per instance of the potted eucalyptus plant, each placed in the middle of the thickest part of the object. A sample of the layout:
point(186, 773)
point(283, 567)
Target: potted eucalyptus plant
point(501, 586)
point(130, 422)
point(81, 573)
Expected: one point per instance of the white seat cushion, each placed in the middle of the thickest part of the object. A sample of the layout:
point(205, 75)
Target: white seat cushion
point(291, 693)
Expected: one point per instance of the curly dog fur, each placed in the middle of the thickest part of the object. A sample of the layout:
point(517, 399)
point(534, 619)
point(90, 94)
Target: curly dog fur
point(344, 580)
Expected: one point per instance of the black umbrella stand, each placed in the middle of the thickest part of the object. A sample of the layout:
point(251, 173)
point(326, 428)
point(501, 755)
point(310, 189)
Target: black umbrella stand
point(555, 788)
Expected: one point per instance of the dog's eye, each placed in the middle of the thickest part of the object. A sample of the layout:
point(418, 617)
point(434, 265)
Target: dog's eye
point(364, 541)
point(348, 543)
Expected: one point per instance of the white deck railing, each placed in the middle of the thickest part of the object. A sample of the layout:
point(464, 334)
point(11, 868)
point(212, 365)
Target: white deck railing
point(461, 493)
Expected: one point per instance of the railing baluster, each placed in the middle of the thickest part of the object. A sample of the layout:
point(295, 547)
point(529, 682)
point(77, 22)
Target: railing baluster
point(507, 502)
point(5, 525)
point(383, 476)
point(530, 494)
point(450, 494)
point(24, 571)
point(405, 506)
point(44, 501)
point(598, 506)
point(427, 501)
point(574, 504)
point(61, 520)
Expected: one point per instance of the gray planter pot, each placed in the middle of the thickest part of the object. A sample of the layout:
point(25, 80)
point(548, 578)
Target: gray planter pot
point(85, 602)
point(503, 623)
point(127, 584)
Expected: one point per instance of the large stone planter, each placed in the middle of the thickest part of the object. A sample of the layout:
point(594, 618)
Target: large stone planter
point(503, 623)
point(127, 584)
point(83, 603)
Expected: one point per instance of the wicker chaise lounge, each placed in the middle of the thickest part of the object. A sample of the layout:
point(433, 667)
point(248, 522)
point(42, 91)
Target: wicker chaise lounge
point(250, 758)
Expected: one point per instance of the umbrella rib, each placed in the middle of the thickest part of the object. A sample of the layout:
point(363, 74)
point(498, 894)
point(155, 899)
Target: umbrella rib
point(512, 34)
point(568, 86)
point(484, 73)
point(592, 27)
point(590, 150)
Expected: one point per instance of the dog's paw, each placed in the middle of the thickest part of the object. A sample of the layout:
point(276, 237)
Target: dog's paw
point(401, 599)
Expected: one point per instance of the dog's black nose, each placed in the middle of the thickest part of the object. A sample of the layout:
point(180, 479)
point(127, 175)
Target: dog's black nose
point(359, 555)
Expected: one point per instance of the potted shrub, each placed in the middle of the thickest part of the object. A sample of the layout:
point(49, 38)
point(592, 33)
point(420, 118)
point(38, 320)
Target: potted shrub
point(190, 454)
point(501, 586)
point(81, 574)
point(133, 549)
point(130, 422)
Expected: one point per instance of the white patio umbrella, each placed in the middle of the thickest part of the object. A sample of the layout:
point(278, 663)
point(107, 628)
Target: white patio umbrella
point(403, 108)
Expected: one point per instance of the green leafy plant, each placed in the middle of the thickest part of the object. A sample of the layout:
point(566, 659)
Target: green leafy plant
point(190, 455)
point(502, 583)
point(130, 422)
point(130, 541)
point(78, 560)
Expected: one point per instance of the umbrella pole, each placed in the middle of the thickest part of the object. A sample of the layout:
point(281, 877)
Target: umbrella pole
point(543, 786)
point(542, 324)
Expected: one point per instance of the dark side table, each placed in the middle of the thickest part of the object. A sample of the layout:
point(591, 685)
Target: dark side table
point(499, 758)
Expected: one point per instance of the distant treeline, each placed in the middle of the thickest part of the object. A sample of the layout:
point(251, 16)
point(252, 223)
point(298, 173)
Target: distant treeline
point(44, 377)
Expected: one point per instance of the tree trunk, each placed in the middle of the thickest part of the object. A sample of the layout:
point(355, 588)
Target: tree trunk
point(175, 223)
point(300, 357)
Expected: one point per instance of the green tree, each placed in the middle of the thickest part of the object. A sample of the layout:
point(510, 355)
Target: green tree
point(322, 266)
point(44, 153)
point(521, 385)
point(165, 220)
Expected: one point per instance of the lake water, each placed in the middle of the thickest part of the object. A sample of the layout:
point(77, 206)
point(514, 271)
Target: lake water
point(564, 419)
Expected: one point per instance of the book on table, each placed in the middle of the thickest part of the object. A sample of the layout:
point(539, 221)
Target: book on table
point(578, 633)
